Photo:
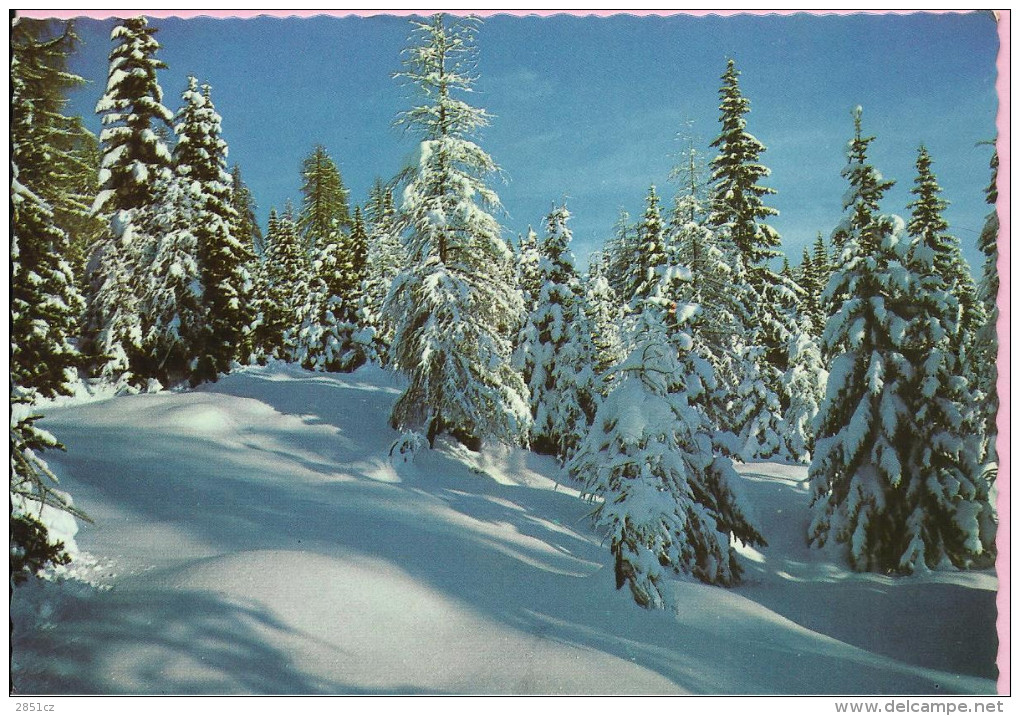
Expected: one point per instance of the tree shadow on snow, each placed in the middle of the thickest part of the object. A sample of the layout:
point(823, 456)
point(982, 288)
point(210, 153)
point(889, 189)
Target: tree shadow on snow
point(156, 642)
point(498, 548)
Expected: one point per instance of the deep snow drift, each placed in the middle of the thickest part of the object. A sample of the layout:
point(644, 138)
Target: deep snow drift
point(254, 536)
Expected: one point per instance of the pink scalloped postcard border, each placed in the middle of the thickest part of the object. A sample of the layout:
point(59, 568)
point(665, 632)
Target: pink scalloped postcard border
point(1002, 207)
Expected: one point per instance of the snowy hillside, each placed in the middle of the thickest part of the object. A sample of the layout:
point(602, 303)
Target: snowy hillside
point(254, 536)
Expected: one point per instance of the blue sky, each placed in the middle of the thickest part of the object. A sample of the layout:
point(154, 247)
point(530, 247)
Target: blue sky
point(588, 109)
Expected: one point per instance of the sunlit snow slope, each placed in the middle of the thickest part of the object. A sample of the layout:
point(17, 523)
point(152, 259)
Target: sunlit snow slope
point(254, 536)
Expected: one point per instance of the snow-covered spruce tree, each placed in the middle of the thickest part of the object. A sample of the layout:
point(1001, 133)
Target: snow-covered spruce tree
point(46, 306)
point(529, 282)
point(718, 287)
point(652, 252)
point(334, 335)
point(737, 215)
point(984, 357)
point(134, 162)
point(264, 336)
point(664, 494)
point(172, 290)
point(737, 197)
point(325, 212)
point(928, 226)
point(813, 275)
point(604, 313)
point(557, 340)
point(528, 259)
point(385, 260)
point(889, 488)
point(858, 471)
point(200, 157)
point(455, 305)
point(951, 518)
point(286, 288)
point(804, 383)
point(623, 269)
point(689, 201)
point(246, 226)
point(40, 513)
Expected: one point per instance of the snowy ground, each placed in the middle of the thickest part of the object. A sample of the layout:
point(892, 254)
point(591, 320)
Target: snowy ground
point(254, 536)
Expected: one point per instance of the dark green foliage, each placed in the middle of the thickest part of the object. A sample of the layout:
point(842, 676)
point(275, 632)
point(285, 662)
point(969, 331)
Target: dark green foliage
point(325, 210)
point(894, 472)
point(623, 270)
point(653, 254)
point(32, 487)
point(200, 157)
point(985, 354)
point(132, 109)
point(46, 307)
point(737, 196)
point(928, 225)
point(813, 276)
point(135, 166)
point(246, 226)
point(286, 286)
point(30, 550)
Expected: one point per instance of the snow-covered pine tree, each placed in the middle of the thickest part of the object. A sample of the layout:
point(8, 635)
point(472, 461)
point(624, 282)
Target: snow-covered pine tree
point(246, 226)
point(899, 502)
point(135, 161)
point(737, 198)
point(172, 290)
point(928, 224)
point(737, 215)
point(132, 109)
point(689, 201)
point(46, 306)
point(263, 336)
point(984, 357)
point(622, 267)
point(37, 505)
point(334, 335)
point(821, 261)
point(528, 259)
point(804, 385)
point(664, 493)
point(604, 313)
point(859, 468)
point(200, 158)
point(718, 286)
point(813, 278)
point(951, 518)
point(653, 254)
point(557, 342)
point(529, 281)
point(456, 304)
point(385, 260)
point(325, 213)
point(286, 288)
